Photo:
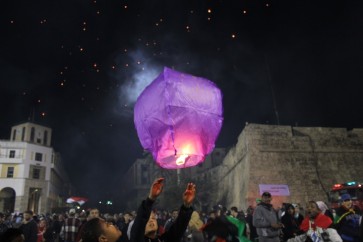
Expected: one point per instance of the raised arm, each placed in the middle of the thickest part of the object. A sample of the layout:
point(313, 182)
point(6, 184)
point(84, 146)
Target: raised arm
point(176, 231)
point(144, 210)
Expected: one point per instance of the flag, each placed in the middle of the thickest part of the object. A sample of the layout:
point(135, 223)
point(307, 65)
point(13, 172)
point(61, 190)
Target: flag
point(79, 200)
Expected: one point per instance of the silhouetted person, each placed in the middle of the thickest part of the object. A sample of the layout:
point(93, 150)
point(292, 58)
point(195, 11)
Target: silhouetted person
point(12, 235)
point(29, 227)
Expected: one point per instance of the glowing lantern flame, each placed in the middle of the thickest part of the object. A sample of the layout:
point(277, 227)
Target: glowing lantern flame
point(185, 155)
point(181, 160)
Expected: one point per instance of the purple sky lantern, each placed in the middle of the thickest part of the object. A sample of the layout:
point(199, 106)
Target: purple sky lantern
point(178, 118)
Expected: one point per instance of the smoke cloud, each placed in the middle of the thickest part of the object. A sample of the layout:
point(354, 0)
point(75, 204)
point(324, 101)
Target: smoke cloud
point(132, 88)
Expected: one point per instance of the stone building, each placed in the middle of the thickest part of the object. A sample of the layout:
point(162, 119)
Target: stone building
point(31, 172)
point(306, 160)
point(295, 164)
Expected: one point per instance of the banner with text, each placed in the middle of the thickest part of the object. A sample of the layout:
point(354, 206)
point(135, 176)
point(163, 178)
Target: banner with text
point(275, 190)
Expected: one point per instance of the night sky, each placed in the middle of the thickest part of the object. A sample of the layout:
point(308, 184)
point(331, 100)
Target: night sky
point(78, 66)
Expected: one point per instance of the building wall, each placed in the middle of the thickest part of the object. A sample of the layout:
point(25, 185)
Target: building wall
point(26, 156)
point(23, 132)
point(308, 160)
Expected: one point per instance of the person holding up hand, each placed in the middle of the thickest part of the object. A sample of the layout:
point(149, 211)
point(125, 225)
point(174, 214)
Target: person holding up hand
point(145, 226)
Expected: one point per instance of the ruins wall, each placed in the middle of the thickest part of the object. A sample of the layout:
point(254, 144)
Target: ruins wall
point(308, 160)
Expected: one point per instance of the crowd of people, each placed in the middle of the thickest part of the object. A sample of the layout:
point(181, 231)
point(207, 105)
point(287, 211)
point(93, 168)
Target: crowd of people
point(263, 223)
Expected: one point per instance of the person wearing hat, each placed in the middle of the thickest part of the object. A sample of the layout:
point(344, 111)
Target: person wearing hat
point(265, 220)
point(347, 220)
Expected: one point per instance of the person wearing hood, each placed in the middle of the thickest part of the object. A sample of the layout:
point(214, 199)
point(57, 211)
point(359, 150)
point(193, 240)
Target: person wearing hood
point(265, 220)
point(297, 215)
point(145, 226)
point(325, 210)
point(291, 227)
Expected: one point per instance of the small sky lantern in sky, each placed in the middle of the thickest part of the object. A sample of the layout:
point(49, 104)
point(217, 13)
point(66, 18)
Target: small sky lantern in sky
point(178, 118)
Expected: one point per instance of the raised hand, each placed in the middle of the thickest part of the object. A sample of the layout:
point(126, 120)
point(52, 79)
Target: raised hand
point(156, 188)
point(189, 194)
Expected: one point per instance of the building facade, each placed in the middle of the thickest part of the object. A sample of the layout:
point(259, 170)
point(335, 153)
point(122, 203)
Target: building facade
point(31, 173)
point(296, 164)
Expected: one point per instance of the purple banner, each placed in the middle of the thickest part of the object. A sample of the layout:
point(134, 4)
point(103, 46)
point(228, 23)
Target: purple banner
point(275, 190)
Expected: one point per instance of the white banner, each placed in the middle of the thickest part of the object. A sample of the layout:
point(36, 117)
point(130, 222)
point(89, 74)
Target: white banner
point(275, 190)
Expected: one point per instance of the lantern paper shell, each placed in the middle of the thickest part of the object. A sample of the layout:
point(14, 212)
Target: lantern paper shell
point(178, 118)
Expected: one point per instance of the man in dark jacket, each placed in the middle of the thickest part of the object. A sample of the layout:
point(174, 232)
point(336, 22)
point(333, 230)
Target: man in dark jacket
point(171, 220)
point(29, 227)
point(145, 226)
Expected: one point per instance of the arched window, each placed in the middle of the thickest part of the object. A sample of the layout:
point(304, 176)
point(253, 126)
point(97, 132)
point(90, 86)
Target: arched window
point(32, 134)
point(45, 138)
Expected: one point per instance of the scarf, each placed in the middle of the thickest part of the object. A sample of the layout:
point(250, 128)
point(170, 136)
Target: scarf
point(320, 220)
